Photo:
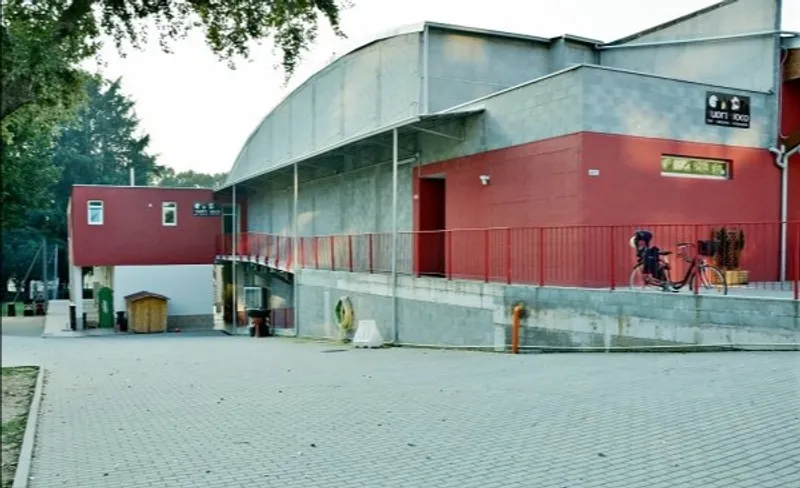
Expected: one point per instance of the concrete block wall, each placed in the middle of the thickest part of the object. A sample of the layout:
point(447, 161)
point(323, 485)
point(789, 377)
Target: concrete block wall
point(619, 102)
point(357, 201)
point(434, 311)
point(429, 311)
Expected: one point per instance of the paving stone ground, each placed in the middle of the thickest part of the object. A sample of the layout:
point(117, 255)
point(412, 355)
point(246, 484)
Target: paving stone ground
point(213, 411)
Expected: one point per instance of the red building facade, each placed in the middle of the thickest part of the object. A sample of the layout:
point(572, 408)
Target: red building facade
point(120, 225)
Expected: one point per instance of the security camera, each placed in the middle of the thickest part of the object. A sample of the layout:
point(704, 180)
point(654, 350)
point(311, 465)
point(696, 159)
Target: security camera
point(484, 179)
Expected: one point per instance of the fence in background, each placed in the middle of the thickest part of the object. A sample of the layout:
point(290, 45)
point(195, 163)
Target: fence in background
point(579, 256)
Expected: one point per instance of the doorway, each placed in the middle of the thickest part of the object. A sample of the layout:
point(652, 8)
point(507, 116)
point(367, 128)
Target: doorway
point(430, 248)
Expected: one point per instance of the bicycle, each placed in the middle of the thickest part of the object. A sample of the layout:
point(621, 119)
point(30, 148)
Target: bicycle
point(708, 275)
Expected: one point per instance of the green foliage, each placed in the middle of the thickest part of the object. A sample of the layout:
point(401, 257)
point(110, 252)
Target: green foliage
point(189, 179)
point(98, 148)
point(43, 41)
point(19, 248)
point(730, 247)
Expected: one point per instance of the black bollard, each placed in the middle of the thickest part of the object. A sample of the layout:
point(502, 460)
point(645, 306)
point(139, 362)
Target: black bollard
point(73, 318)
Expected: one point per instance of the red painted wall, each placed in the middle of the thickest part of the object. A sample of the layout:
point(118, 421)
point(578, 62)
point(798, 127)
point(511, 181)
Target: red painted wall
point(539, 189)
point(790, 123)
point(132, 233)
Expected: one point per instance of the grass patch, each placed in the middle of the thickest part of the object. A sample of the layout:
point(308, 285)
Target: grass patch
point(18, 386)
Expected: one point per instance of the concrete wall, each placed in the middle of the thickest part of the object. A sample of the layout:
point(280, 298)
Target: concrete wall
point(741, 63)
point(441, 312)
point(355, 201)
point(190, 288)
point(618, 102)
point(372, 87)
point(463, 66)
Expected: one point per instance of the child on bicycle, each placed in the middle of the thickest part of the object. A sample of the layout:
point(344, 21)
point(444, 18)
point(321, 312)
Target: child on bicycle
point(650, 258)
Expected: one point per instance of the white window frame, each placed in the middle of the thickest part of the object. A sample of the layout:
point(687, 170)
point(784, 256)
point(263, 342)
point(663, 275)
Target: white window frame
point(95, 204)
point(166, 206)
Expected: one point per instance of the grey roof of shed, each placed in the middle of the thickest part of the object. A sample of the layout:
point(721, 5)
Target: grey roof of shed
point(139, 295)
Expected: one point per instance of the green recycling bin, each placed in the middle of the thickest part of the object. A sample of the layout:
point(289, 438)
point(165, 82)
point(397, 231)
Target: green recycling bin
point(105, 304)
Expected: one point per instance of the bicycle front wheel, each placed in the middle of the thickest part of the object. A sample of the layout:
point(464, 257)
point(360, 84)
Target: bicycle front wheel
point(713, 280)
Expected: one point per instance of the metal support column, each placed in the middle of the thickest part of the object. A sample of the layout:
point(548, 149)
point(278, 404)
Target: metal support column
point(55, 271)
point(45, 291)
point(295, 253)
point(394, 235)
point(235, 228)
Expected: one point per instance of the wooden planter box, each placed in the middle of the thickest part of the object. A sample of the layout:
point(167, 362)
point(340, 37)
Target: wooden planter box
point(734, 277)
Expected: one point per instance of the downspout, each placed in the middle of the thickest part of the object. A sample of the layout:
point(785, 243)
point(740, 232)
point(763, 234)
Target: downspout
point(782, 162)
point(295, 252)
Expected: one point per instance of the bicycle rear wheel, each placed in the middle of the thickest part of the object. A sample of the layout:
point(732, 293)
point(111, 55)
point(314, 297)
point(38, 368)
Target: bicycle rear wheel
point(713, 280)
point(638, 280)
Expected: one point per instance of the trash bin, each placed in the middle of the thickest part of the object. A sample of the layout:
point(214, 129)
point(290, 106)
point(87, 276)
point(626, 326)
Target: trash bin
point(122, 322)
point(11, 310)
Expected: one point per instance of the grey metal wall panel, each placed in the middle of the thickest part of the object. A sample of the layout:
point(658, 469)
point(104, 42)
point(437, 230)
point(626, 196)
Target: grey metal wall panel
point(631, 104)
point(375, 86)
point(302, 108)
point(327, 116)
point(744, 63)
point(361, 92)
point(466, 66)
point(400, 72)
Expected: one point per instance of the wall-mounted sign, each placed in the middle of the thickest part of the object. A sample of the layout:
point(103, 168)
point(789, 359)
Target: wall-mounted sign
point(727, 110)
point(206, 209)
point(695, 167)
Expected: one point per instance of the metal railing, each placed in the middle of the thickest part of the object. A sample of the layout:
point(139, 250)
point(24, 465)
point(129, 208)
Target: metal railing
point(574, 256)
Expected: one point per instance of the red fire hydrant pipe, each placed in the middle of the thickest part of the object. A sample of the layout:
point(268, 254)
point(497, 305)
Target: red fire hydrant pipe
point(516, 316)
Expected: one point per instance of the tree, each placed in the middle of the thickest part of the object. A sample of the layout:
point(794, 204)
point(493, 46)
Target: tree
point(189, 179)
point(98, 148)
point(43, 41)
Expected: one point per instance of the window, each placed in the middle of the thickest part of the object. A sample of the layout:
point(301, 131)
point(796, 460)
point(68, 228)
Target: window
point(95, 216)
point(684, 167)
point(169, 213)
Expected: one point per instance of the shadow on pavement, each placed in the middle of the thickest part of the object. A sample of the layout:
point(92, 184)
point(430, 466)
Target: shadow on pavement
point(22, 326)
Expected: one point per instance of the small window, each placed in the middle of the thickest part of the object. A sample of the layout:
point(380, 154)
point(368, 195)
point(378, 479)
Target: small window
point(169, 213)
point(687, 167)
point(95, 212)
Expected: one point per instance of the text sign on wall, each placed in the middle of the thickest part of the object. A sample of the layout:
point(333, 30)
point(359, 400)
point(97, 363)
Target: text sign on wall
point(695, 167)
point(727, 110)
point(206, 209)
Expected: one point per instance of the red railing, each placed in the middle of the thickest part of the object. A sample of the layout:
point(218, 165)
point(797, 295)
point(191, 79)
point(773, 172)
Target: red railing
point(581, 256)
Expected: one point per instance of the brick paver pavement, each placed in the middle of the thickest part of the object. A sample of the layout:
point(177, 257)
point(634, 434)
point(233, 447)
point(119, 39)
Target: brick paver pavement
point(221, 412)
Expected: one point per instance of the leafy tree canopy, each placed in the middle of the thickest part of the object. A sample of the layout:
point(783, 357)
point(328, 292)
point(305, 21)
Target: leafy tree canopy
point(189, 179)
point(43, 40)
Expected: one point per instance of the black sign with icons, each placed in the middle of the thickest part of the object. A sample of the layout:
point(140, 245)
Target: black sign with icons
point(206, 209)
point(727, 110)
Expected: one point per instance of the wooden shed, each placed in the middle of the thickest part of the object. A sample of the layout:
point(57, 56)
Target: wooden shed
point(147, 312)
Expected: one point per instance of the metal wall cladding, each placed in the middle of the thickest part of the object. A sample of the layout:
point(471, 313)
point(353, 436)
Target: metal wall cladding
point(741, 63)
point(375, 86)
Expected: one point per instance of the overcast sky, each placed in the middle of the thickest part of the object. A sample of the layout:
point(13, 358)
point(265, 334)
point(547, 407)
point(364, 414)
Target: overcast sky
point(198, 112)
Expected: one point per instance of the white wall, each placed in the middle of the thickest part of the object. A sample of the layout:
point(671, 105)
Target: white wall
point(190, 288)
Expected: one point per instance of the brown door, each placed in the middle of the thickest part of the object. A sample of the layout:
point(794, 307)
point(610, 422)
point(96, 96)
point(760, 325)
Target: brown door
point(430, 248)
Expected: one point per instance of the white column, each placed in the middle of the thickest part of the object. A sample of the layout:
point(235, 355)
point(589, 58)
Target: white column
point(394, 235)
point(76, 294)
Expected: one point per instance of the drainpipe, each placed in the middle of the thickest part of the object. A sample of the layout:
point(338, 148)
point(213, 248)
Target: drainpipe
point(782, 162)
